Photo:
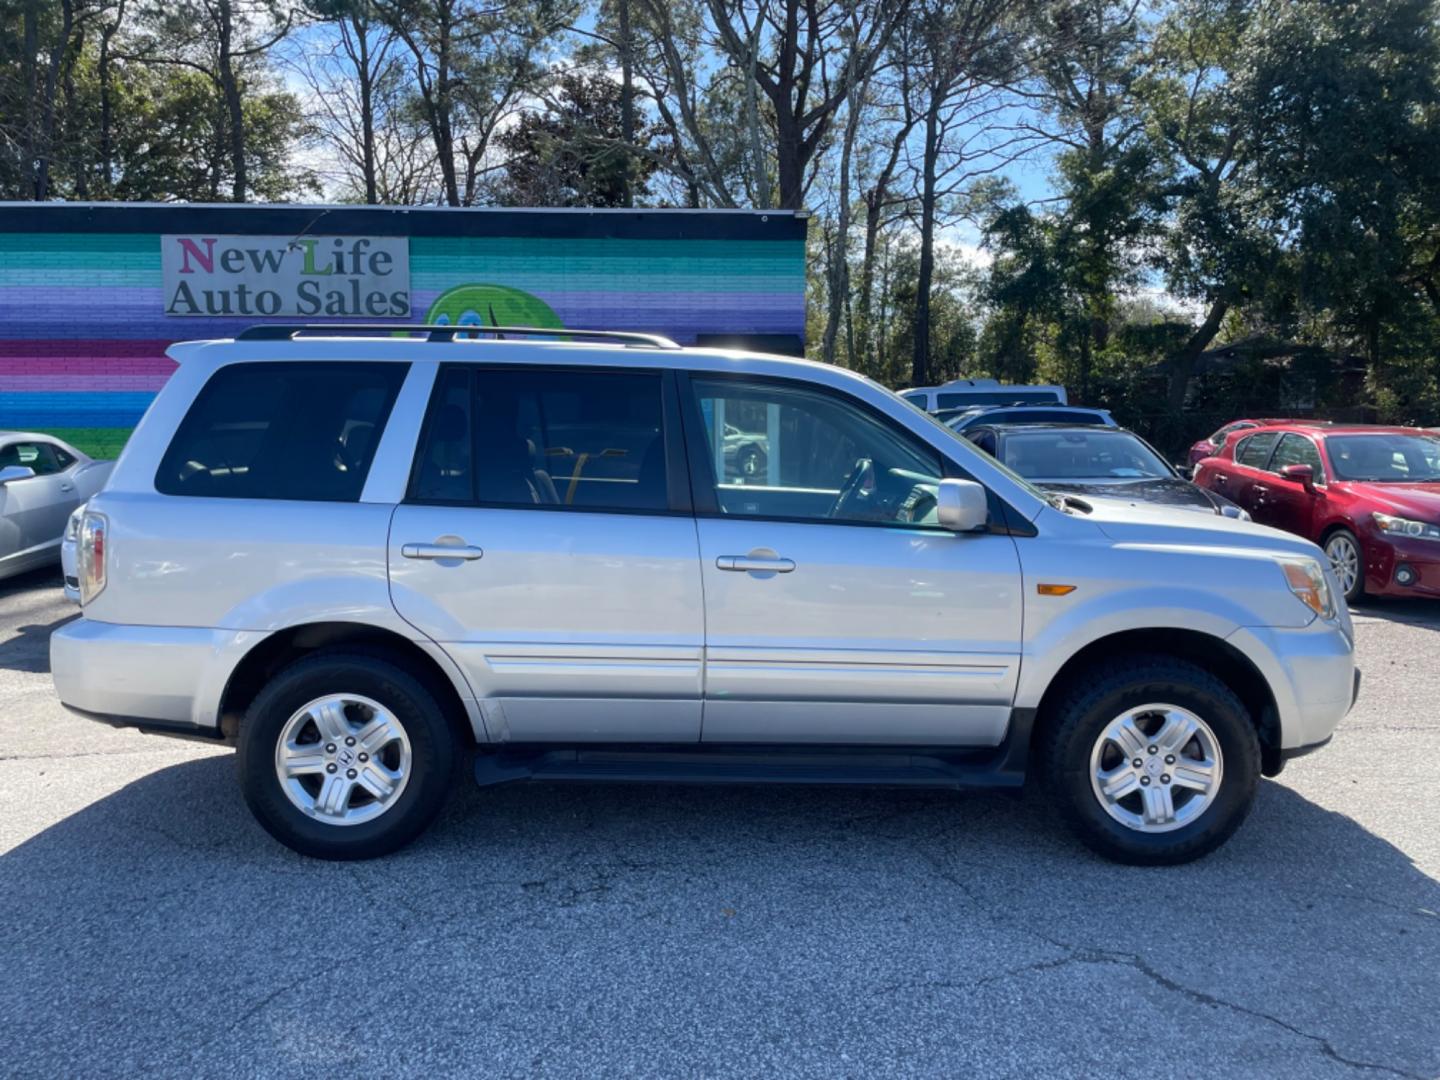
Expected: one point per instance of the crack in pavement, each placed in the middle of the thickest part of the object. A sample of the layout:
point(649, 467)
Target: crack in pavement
point(1080, 955)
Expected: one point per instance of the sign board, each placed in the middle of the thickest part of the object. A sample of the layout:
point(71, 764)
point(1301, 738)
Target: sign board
point(356, 277)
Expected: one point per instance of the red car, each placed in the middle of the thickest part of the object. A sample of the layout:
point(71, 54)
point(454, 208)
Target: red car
point(1369, 496)
point(1204, 448)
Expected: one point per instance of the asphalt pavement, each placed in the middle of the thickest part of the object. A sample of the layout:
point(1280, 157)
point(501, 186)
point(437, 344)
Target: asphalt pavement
point(150, 926)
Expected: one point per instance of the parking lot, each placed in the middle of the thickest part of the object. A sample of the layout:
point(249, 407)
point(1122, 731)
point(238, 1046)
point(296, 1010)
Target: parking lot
point(150, 925)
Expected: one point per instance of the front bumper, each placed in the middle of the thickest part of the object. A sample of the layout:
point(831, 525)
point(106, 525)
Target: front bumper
point(1312, 676)
point(164, 678)
point(1385, 556)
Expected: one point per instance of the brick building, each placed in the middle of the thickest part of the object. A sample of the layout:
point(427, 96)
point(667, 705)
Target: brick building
point(92, 294)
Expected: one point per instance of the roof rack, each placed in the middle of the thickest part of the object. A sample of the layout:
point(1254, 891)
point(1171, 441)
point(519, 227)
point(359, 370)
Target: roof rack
point(433, 332)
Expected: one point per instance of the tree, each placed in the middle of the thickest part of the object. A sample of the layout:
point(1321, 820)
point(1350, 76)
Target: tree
point(958, 54)
point(361, 109)
point(227, 41)
point(473, 63)
point(576, 152)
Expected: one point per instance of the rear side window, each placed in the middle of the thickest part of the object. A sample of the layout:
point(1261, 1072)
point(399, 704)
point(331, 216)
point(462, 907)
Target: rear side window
point(586, 440)
point(282, 431)
point(1255, 450)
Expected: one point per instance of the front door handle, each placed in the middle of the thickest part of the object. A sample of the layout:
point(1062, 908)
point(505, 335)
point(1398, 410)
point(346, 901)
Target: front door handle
point(753, 564)
point(441, 551)
point(67, 486)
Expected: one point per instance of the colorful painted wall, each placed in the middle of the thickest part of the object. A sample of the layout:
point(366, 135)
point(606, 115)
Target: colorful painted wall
point(84, 328)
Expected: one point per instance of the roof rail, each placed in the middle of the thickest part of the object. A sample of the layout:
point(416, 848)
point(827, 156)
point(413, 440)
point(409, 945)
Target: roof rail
point(434, 332)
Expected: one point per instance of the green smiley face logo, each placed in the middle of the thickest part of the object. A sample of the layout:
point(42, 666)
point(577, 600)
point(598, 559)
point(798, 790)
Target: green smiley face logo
point(491, 305)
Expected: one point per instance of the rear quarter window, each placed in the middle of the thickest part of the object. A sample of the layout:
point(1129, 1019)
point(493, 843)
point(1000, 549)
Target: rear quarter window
point(304, 431)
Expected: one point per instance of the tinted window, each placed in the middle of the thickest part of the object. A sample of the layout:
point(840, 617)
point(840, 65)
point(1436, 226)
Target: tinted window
point(788, 452)
point(958, 398)
point(1385, 457)
point(1255, 450)
point(542, 437)
point(1081, 455)
point(1218, 439)
point(1043, 416)
point(282, 431)
point(42, 457)
point(1297, 450)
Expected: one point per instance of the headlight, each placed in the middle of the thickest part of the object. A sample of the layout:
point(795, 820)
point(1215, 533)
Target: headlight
point(1307, 581)
point(1398, 526)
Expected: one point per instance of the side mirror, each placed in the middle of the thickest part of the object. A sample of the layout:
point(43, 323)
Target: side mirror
point(962, 506)
point(1300, 474)
point(15, 472)
point(1185, 469)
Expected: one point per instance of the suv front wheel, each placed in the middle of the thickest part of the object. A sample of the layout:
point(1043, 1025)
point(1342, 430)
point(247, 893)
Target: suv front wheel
point(345, 756)
point(1152, 760)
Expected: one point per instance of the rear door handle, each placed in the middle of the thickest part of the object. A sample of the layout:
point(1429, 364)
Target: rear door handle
point(67, 486)
point(751, 563)
point(441, 551)
point(1220, 478)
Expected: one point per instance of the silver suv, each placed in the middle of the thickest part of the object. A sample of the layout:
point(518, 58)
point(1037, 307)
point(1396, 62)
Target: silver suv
point(368, 558)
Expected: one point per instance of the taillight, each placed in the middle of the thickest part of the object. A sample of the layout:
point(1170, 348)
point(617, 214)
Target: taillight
point(93, 528)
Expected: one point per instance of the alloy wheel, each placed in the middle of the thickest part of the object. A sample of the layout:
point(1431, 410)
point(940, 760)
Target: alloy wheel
point(343, 759)
point(1156, 768)
point(1345, 559)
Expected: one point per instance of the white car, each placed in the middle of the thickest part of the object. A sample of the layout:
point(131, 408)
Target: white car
point(42, 480)
point(963, 393)
point(365, 558)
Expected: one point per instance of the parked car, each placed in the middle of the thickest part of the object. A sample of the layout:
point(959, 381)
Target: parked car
point(746, 452)
point(1110, 463)
point(961, 420)
point(959, 393)
point(42, 479)
point(1369, 496)
point(1209, 447)
point(353, 554)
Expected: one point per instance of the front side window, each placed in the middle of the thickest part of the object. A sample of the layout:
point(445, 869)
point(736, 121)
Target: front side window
point(1297, 450)
point(1254, 451)
point(787, 452)
point(588, 440)
point(294, 431)
point(45, 459)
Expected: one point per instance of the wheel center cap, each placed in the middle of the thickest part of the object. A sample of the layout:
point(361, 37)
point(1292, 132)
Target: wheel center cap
point(1154, 765)
point(345, 757)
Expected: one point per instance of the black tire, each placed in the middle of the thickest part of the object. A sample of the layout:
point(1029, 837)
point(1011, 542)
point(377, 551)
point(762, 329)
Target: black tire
point(750, 461)
point(1357, 591)
point(1106, 692)
point(434, 755)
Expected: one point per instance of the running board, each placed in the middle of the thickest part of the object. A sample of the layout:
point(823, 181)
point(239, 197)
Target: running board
point(998, 767)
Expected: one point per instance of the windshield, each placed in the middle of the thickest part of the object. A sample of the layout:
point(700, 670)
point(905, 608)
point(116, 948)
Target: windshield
point(1081, 455)
point(970, 448)
point(1385, 458)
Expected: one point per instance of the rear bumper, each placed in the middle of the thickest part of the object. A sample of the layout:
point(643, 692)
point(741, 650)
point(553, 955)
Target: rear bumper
point(1312, 676)
point(165, 678)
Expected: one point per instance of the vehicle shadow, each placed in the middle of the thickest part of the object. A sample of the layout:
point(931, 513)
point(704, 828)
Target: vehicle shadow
point(638, 923)
point(37, 596)
point(1422, 613)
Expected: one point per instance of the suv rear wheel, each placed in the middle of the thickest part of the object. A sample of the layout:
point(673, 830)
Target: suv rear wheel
point(1152, 760)
point(345, 756)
